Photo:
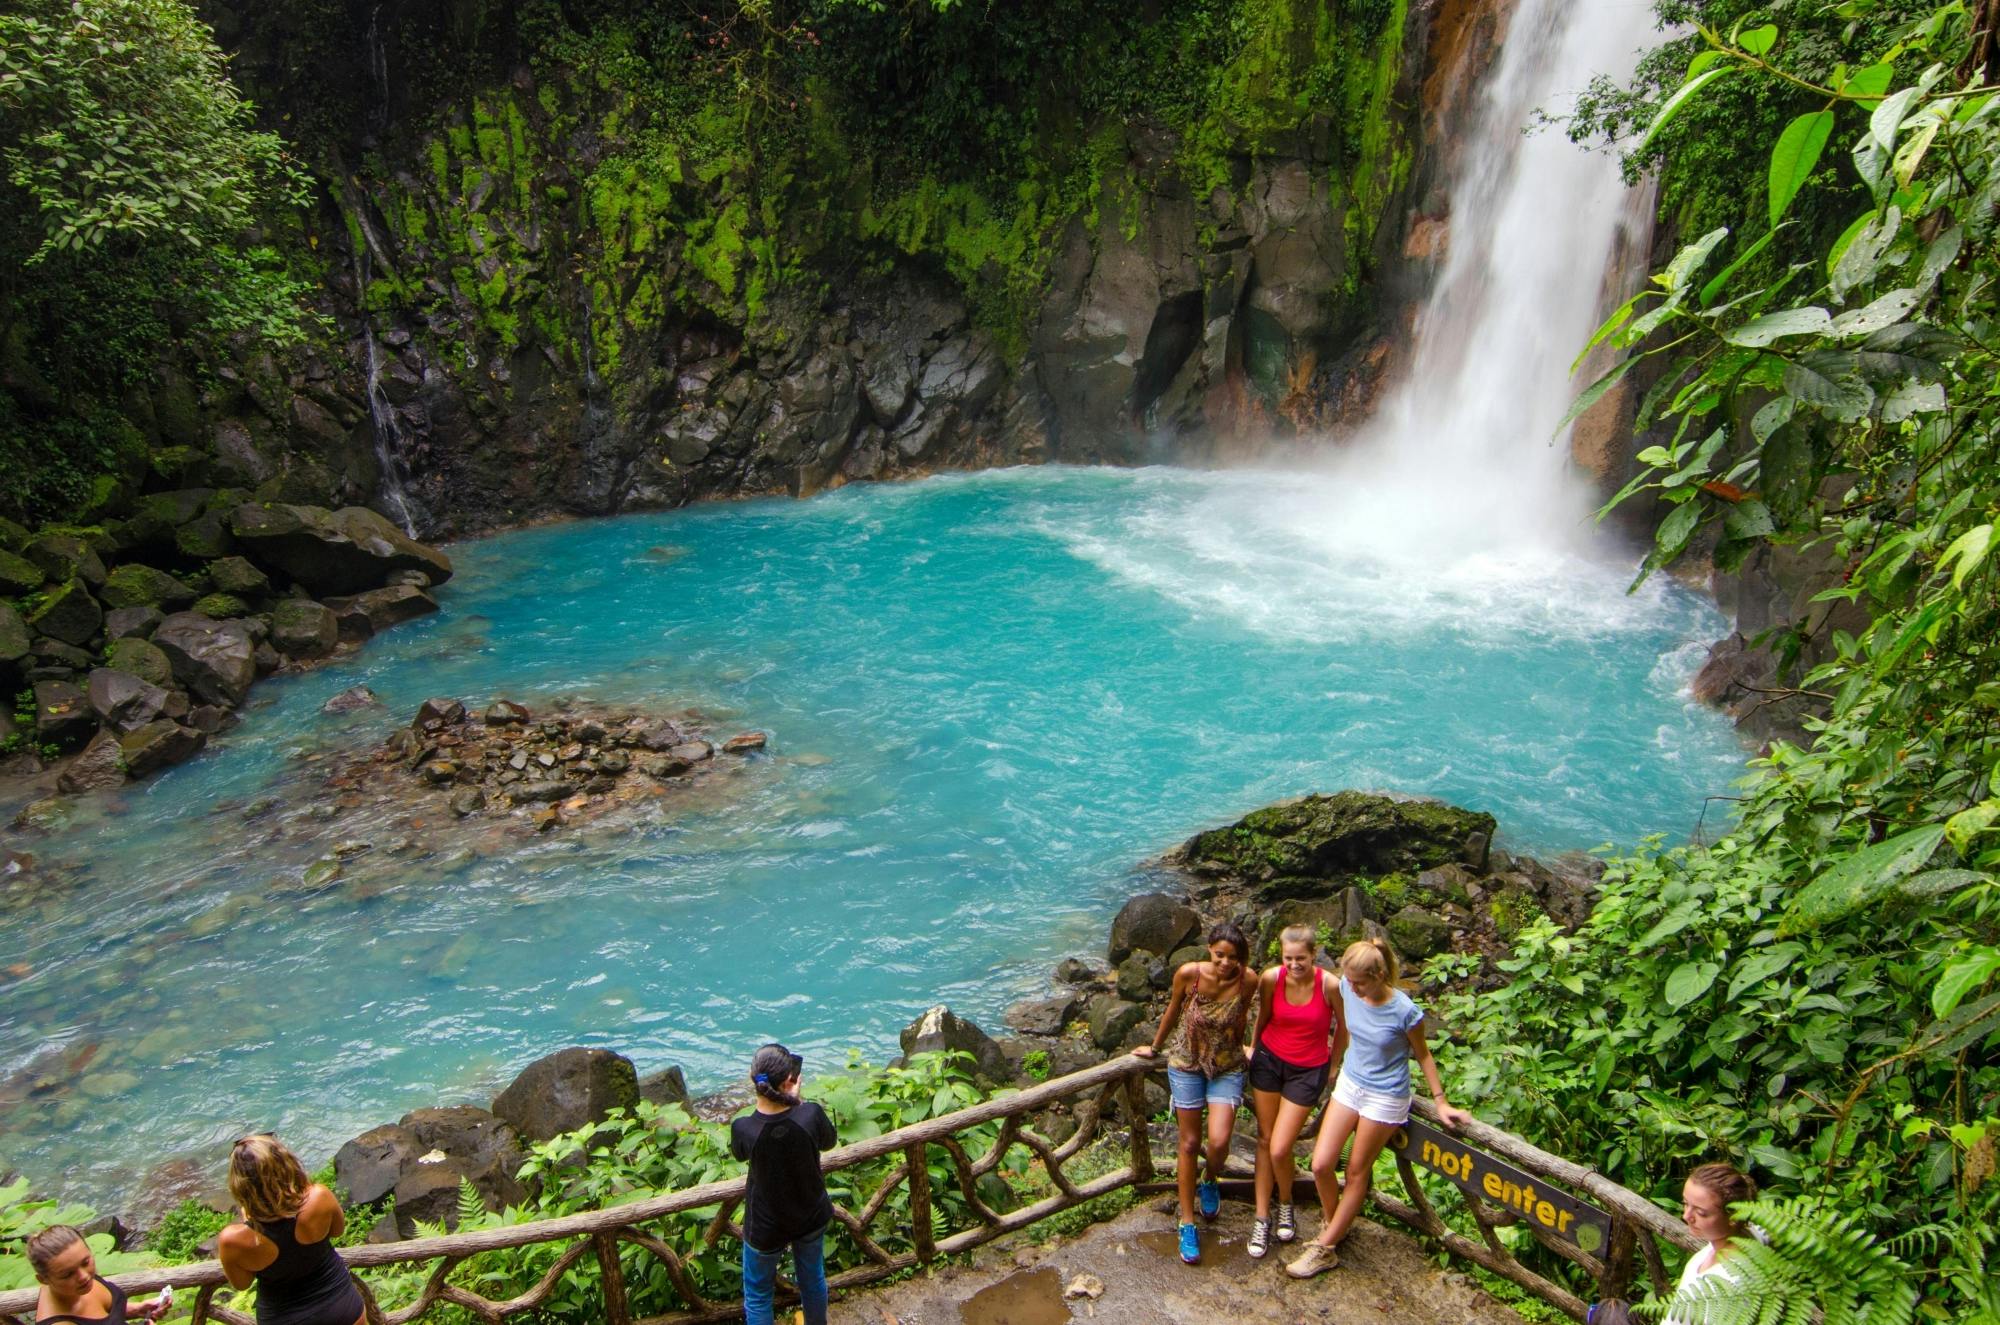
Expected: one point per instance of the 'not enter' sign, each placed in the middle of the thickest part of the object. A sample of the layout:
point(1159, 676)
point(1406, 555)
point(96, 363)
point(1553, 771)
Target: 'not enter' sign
point(1481, 1175)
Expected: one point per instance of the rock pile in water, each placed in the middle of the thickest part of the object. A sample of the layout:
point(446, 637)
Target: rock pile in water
point(568, 764)
point(135, 640)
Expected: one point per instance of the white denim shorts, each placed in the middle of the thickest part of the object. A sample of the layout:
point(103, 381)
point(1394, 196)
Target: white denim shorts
point(1376, 1106)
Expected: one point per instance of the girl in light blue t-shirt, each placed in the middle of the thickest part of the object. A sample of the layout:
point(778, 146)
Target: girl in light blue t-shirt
point(1371, 1096)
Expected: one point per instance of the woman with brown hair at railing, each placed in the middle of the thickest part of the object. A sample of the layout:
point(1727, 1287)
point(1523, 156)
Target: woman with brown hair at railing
point(1205, 1067)
point(785, 1205)
point(72, 1294)
point(1371, 1096)
point(285, 1243)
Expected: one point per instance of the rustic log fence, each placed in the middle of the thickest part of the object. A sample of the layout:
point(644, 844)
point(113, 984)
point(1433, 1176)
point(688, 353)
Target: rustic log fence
point(1638, 1225)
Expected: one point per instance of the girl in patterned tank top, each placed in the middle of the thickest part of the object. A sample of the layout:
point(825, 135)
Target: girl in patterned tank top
point(1205, 1065)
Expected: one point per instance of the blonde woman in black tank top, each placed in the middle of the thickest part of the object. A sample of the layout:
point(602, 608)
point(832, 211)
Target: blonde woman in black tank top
point(285, 1243)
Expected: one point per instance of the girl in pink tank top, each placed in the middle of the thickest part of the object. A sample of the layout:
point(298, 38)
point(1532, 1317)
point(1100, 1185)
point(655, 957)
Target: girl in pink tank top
point(1300, 1035)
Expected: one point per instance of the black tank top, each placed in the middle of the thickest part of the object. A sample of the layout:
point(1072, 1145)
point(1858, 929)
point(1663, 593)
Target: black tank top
point(115, 1316)
point(307, 1284)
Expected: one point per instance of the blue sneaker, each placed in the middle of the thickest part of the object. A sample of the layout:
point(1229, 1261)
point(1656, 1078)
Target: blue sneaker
point(1190, 1244)
point(1210, 1196)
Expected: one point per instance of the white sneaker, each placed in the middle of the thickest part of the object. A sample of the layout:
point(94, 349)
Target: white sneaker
point(1317, 1258)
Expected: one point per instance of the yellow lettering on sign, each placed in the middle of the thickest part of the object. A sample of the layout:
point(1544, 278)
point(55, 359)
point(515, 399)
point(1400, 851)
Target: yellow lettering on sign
point(1546, 1213)
point(1562, 1222)
point(1492, 1186)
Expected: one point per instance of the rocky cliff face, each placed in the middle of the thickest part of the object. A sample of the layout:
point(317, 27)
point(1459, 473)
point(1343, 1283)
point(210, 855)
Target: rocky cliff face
point(535, 309)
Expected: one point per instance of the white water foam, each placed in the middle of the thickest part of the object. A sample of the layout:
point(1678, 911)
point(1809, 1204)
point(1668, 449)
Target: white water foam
point(1456, 507)
point(1466, 457)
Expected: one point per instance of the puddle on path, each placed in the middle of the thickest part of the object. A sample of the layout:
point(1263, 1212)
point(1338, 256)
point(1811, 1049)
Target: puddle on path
point(1228, 1255)
point(1032, 1297)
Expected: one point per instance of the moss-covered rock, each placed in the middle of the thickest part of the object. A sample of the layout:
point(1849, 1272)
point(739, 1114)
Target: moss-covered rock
point(303, 628)
point(14, 636)
point(1306, 847)
point(64, 556)
point(137, 585)
point(204, 537)
point(18, 575)
point(68, 613)
point(142, 658)
point(221, 606)
point(238, 576)
point(1512, 907)
point(1418, 934)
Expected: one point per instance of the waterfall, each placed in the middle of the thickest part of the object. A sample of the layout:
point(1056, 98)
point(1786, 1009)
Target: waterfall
point(1463, 459)
point(386, 428)
point(378, 71)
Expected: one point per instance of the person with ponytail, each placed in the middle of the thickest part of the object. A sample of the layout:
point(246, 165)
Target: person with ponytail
point(1709, 1199)
point(1300, 1036)
point(785, 1205)
point(1205, 1068)
point(1371, 1096)
point(285, 1242)
point(72, 1294)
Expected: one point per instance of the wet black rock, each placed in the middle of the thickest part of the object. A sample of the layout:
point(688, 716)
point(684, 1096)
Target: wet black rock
point(159, 744)
point(350, 700)
point(364, 615)
point(67, 612)
point(567, 1090)
point(940, 1029)
point(100, 765)
point(1043, 1016)
point(334, 552)
point(123, 701)
point(132, 622)
point(62, 711)
point(302, 628)
point(215, 660)
point(1153, 921)
point(666, 1086)
point(1112, 1019)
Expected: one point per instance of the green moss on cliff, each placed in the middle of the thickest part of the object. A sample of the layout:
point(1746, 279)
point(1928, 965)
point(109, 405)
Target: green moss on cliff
point(714, 186)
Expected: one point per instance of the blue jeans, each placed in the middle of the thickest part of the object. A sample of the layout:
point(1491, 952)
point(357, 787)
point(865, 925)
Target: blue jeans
point(760, 1276)
point(1194, 1090)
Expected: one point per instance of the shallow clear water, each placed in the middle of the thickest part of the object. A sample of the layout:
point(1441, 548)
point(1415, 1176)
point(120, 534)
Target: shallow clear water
point(990, 697)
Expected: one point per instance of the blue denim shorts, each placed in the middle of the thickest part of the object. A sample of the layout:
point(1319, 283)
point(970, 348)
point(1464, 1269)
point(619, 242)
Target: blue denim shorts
point(1196, 1090)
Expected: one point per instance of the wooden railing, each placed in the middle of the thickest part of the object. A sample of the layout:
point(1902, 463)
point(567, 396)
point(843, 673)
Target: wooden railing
point(598, 1233)
point(1638, 1225)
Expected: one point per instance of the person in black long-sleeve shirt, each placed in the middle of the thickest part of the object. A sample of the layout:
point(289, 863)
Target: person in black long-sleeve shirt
point(785, 1205)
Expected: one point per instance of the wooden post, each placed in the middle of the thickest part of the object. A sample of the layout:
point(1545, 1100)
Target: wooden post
point(617, 1311)
point(1142, 1141)
point(1618, 1261)
point(920, 1203)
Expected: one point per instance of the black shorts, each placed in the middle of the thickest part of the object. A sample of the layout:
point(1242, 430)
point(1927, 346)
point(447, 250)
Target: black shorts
point(1301, 1085)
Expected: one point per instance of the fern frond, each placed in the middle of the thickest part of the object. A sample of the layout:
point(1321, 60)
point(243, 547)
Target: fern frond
point(471, 1205)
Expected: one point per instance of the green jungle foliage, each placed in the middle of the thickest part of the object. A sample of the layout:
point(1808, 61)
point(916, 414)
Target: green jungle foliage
point(22, 1216)
point(132, 176)
point(1813, 996)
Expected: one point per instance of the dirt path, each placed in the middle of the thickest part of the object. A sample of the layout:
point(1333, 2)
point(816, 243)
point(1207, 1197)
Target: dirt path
point(1384, 1278)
